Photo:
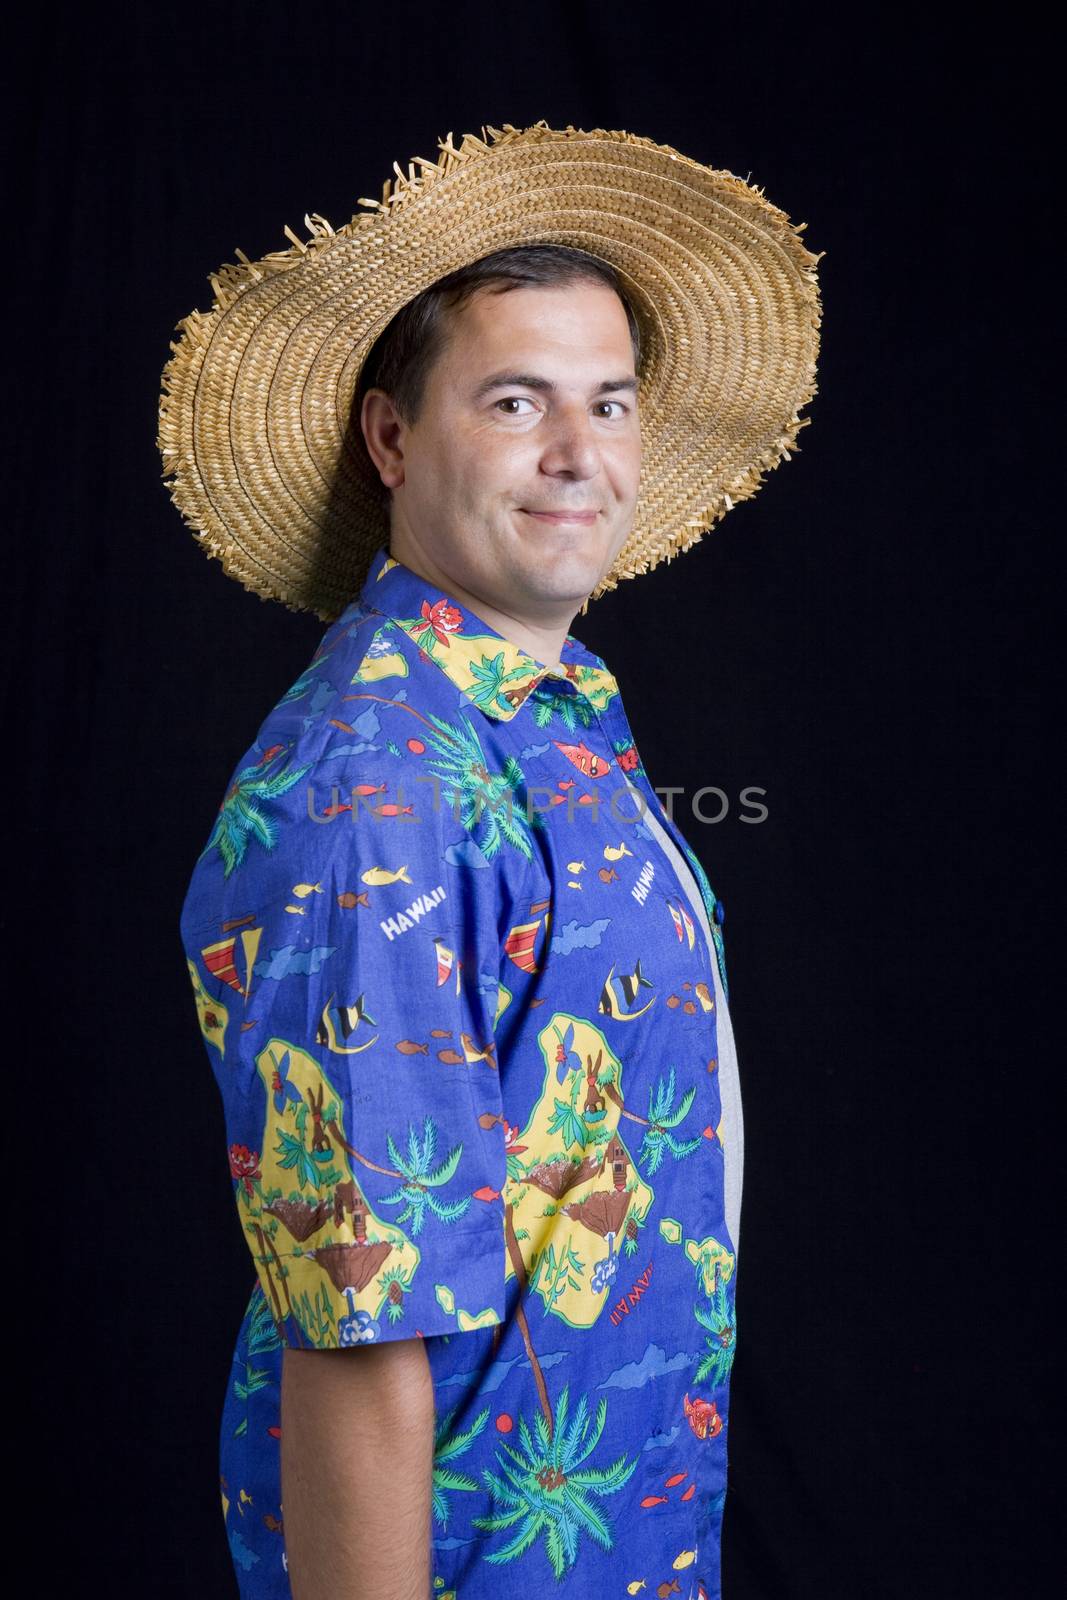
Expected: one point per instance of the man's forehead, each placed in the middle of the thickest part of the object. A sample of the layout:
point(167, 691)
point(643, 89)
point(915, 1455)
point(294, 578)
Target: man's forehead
point(510, 338)
point(543, 308)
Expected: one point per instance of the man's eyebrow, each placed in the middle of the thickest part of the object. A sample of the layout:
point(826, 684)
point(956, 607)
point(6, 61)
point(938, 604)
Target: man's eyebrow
point(530, 380)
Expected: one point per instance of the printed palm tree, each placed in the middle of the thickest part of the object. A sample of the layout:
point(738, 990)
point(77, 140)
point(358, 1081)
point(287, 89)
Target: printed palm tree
point(546, 1491)
point(721, 1324)
point(314, 1168)
point(489, 679)
point(662, 1119)
point(260, 1336)
point(484, 802)
point(573, 710)
point(446, 1447)
point(242, 815)
point(495, 801)
point(419, 1179)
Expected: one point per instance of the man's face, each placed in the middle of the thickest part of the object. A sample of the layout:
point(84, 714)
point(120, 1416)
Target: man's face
point(520, 477)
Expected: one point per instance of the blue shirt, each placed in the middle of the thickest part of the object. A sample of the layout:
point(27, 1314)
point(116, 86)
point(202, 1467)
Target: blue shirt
point(466, 1032)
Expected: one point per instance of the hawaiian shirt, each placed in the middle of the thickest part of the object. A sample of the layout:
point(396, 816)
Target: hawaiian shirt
point(465, 1030)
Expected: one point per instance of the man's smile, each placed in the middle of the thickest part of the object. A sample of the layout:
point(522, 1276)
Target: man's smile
point(582, 518)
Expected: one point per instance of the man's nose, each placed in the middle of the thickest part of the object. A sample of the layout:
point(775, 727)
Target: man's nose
point(571, 447)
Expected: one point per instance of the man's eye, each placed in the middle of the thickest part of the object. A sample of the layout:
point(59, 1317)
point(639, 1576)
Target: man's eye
point(618, 403)
point(515, 400)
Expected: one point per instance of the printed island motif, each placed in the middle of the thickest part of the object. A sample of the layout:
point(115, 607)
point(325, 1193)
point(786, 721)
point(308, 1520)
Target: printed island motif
point(464, 1028)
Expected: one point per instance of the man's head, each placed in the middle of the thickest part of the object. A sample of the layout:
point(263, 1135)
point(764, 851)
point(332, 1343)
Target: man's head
point(504, 393)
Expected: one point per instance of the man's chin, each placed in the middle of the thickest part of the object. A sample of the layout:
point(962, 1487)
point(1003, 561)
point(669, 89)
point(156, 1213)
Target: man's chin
point(566, 574)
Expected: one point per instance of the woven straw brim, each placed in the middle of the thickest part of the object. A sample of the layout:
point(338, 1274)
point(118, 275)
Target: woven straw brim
point(255, 418)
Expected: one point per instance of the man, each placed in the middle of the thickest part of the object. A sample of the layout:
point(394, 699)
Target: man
point(460, 976)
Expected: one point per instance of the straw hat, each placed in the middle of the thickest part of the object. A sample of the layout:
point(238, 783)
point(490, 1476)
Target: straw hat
point(267, 463)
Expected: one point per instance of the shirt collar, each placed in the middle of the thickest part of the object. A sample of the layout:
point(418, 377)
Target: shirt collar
point(489, 669)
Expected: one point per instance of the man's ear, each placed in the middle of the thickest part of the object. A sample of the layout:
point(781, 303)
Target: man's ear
point(382, 429)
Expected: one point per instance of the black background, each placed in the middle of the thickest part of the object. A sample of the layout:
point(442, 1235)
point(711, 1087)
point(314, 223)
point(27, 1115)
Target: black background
point(861, 640)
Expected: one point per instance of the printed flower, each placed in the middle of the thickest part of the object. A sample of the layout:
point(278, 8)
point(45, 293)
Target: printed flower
point(442, 619)
point(510, 1135)
point(244, 1166)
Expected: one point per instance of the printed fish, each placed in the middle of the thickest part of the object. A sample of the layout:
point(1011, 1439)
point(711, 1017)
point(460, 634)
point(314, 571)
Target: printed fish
point(634, 981)
point(666, 1589)
point(703, 1417)
point(615, 852)
point(703, 994)
point(391, 809)
point(410, 1047)
point(302, 890)
point(630, 983)
point(589, 764)
point(635, 1587)
point(349, 899)
point(608, 875)
point(579, 866)
point(350, 1018)
point(378, 876)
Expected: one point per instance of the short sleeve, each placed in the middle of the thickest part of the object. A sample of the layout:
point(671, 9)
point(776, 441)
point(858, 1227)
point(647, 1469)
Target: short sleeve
point(346, 978)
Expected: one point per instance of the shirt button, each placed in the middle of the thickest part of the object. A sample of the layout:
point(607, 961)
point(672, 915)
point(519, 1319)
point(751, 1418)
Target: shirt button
point(720, 914)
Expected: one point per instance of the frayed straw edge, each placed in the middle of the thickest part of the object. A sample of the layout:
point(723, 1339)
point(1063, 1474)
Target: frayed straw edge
point(752, 479)
point(422, 174)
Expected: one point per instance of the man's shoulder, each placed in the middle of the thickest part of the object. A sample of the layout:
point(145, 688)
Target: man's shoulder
point(346, 768)
point(337, 713)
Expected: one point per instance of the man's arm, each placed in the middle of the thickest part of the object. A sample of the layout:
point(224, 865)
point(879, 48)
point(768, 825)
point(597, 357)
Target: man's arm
point(357, 1466)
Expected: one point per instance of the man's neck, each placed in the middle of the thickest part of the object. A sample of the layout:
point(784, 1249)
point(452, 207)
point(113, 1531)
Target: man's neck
point(543, 643)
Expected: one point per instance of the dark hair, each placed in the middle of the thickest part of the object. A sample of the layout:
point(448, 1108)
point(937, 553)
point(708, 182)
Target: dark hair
point(401, 357)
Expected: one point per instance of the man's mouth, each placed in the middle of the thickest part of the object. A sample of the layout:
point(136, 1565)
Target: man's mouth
point(582, 518)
